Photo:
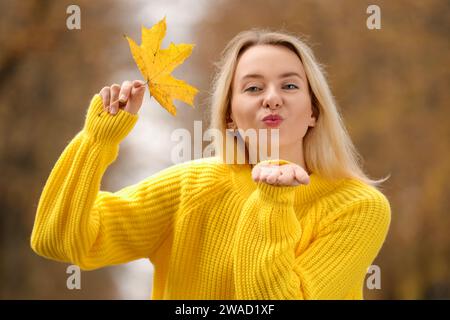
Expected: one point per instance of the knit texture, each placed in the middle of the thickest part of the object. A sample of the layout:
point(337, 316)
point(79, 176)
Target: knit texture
point(210, 231)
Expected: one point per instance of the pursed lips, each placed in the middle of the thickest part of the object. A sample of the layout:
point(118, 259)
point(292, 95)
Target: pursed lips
point(272, 117)
point(273, 120)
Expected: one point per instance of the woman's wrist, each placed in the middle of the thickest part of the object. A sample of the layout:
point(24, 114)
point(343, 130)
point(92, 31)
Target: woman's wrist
point(104, 127)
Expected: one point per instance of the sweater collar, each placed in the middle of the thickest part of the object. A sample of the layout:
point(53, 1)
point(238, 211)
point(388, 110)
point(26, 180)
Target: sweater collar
point(241, 179)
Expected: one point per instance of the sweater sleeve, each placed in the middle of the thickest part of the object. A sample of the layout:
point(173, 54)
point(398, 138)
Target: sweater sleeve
point(266, 265)
point(77, 223)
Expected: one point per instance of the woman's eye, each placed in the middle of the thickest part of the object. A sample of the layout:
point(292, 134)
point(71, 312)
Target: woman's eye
point(250, 89)
point(290, 84)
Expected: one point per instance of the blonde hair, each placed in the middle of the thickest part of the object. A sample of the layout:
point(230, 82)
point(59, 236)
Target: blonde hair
point(328, 149)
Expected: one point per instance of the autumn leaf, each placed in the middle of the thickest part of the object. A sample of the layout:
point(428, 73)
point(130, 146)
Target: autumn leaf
point(156, 64)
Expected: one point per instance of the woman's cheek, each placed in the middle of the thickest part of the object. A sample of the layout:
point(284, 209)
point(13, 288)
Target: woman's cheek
point(249, 115)
point(294, 130)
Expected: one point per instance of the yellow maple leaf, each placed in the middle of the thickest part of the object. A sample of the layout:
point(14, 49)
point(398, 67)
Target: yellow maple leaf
point(156, 64)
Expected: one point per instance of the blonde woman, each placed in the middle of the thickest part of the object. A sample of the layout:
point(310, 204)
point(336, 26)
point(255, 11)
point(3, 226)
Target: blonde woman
point(305, 226)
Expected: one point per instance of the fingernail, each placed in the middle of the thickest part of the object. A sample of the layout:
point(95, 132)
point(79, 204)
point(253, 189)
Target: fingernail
point(123, 98)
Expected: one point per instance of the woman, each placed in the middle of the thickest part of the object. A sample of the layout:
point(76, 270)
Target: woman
point(307, 226)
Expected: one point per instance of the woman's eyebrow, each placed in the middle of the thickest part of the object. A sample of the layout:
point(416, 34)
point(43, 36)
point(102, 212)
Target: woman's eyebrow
point(284, 75)
point(289, 74)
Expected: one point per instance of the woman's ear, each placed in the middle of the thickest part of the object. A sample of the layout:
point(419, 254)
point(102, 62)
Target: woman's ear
point(314, 115)
point(314, 109)
point(312, 121)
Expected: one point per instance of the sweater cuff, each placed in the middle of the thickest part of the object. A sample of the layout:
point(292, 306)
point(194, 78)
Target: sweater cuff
point(273, 193)
point(104, 127)
point(281, 195)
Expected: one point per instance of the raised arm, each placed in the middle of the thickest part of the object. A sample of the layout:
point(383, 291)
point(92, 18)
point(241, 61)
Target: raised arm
point(76, 222)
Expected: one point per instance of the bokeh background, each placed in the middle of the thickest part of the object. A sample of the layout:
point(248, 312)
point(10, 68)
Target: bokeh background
point(391, 85)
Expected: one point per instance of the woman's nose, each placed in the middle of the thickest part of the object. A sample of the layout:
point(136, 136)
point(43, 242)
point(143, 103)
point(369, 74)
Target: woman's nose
point(272, 99)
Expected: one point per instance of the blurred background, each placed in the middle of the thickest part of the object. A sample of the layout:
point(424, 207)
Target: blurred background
point(391, 85)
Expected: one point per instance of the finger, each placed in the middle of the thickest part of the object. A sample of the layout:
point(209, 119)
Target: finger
point(273, 175)
point(114, 103)
point(105, 94)
point(301, 175)
point(125, 91)
point(265, 171)
point(136, 97)
point(138, 83)
point(256, 172)
point(287, 176)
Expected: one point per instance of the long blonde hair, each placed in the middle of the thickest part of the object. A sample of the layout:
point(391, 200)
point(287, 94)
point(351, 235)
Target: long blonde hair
point(328, 149)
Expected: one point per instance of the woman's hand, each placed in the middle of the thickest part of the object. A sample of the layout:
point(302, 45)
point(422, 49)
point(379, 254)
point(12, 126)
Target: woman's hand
point(128, 97)
point(280, 175)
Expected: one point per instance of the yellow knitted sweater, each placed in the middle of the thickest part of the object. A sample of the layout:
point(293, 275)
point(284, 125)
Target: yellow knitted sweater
point(210, 231)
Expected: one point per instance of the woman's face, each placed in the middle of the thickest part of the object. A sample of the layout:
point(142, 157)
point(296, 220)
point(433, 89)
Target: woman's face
point(270, 80)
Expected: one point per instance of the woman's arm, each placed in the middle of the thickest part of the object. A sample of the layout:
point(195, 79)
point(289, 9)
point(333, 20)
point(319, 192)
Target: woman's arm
point(78, 223)
point(265, 263)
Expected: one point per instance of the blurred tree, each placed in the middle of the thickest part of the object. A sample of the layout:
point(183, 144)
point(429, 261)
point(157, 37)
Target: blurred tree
point(47, 76)
point(391, 85)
